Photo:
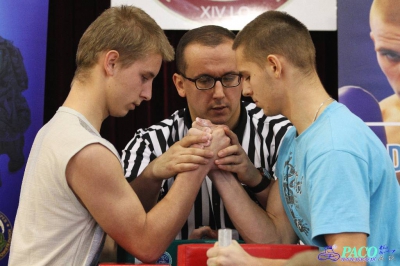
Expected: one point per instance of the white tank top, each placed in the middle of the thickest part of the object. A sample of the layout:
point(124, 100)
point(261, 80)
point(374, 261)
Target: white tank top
point(52, 227)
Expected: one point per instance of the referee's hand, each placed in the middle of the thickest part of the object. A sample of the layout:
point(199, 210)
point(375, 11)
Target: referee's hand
point(182, 157)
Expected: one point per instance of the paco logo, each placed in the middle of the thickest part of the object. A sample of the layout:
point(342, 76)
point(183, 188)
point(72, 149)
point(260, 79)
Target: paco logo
point(369, 254)
point(212, 10)
point(329, 254)
point(5, 235)
point(362, 252)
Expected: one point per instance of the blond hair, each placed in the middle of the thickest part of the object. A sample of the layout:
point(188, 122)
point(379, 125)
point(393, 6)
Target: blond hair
point(126, 29)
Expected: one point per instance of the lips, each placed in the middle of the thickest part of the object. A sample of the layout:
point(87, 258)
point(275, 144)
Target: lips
point(134, 105)
point(217, 10)
point(220, 110)
point(219, 107)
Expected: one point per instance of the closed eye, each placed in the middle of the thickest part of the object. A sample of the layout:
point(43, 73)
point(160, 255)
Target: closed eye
point(390, 55)
point(144, 79)
point(147, 75)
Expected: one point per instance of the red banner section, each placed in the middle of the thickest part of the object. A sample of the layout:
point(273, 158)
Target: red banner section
point(233, 14)
point(208, 11)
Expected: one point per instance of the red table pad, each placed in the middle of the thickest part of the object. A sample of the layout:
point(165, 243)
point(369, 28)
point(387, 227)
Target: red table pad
point(195, 254)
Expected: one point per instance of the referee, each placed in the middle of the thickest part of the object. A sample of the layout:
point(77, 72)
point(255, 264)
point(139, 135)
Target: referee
point(208, 78)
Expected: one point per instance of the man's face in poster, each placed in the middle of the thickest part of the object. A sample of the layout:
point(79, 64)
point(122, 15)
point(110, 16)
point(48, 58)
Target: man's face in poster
point(385, 33)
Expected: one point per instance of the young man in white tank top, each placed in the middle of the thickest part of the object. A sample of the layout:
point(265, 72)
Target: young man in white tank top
point(74, 188)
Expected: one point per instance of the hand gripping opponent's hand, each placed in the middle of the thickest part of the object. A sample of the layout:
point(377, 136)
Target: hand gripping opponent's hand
point(185, 155)
point(219, 139)
point(232, 158)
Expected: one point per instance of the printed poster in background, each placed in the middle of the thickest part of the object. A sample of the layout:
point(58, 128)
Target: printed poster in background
point(317, 15)
point(362, 84)
point(23, 38)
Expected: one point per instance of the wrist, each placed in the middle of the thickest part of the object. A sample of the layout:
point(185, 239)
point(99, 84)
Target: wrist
point(254, 178)
point(264, 183)
point(151, 172)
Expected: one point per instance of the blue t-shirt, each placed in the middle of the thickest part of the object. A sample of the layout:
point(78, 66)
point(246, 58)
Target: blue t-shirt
point(337, 177)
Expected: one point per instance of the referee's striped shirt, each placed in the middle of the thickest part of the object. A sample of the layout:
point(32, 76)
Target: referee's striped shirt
point(259, 135)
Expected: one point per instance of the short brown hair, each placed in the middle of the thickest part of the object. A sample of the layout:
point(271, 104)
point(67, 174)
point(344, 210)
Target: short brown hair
point(210, 35)
point(126, 29)
point(275, 32)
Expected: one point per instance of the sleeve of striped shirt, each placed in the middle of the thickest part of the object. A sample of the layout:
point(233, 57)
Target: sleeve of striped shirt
point(137, 154)
point(264, 137)
point(150, 143)
point(279, 125)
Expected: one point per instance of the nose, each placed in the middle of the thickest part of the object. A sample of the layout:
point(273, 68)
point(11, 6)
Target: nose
point(218, 90)
point(246, 91)
point(147, 93)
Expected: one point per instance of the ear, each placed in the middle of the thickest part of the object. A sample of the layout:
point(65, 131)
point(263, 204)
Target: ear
point(178, 81)
point(372, 36)
point(274, 66)
point(110, 60)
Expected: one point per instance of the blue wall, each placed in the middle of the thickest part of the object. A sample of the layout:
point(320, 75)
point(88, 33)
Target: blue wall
point(24, 24)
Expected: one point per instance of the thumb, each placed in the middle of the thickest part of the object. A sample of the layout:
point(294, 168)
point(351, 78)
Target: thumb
point(204, 122)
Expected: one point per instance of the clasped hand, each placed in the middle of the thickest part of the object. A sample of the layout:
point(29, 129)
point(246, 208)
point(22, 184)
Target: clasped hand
point(189, 153)
point(205, 144)
point(231, 158)
point(218, 141)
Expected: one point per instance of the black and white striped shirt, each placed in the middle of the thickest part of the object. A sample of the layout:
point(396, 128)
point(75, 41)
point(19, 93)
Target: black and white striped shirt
point(259, 135)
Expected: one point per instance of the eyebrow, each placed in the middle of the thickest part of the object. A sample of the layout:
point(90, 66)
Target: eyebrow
point(226, 73)
point(386, 50)
point(149, 73)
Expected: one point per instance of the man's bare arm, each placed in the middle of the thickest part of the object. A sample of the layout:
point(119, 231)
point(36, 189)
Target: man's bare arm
point(179, 158)
point(96, 177)
point(265, 226)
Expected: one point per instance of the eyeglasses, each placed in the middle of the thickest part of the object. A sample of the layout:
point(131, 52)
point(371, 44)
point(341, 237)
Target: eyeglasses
point(207, 82)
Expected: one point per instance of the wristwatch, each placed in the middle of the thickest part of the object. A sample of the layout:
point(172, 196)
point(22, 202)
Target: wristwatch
point(265, 181)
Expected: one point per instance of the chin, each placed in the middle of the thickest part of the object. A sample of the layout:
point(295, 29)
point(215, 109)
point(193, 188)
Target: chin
point(218, 120)
point(268, 112)
point(120, 113)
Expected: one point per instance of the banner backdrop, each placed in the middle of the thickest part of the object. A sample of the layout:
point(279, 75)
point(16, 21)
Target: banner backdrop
point(233, 14)
point(362, 84)
point(23, 37)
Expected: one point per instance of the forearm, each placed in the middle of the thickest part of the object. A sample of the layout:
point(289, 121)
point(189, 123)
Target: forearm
point(253, 179)
point(262, 196)
point(259, 228)
point(147, 188)
point(166, 219)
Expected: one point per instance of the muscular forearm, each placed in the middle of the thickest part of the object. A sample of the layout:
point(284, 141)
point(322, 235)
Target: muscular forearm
point(164, 220)
point(256, 178)
point(147, 188)
point(251, 221)
point(262, 196)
